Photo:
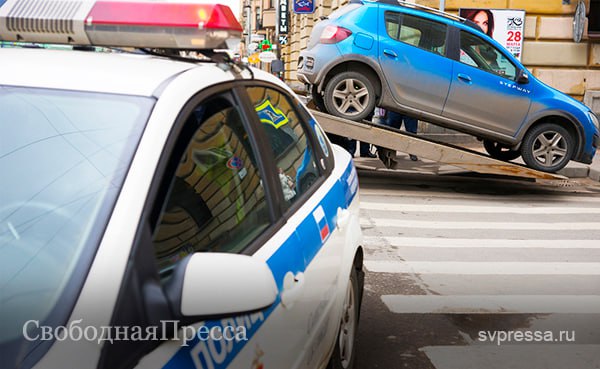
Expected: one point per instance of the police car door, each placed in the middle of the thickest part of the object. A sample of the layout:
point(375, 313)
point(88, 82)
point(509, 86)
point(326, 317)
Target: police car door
point(217, 191)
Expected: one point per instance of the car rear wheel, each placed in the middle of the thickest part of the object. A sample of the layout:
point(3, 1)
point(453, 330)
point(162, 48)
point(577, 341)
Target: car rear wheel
point(350, 95)
point(499, 151)
point(343, 353)
point(547, 147)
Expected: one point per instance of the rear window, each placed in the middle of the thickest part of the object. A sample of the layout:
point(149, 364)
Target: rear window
point(416, 31)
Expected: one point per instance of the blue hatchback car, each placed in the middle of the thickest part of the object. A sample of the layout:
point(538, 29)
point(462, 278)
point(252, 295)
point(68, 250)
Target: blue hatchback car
point(443, 69)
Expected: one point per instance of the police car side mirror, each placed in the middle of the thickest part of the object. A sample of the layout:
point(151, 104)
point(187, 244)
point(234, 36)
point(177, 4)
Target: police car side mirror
point(219, 284)
point(523, 77)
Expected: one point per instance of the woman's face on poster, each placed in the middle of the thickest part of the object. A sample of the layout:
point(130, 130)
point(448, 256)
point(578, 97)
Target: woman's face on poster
point(481, 19)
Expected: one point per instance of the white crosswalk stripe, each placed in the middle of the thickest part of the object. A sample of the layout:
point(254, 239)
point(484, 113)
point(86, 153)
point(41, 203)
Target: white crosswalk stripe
point(430, 242)
point(516, 356)
point(385, 222)
point(492, 304)
point(478, 209)
point(483, 268)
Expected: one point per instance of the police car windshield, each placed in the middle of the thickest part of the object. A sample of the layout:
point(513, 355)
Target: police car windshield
point(63, 157)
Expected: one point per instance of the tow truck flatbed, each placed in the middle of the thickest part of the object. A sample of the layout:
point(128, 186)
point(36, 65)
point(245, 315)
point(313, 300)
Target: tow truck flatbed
point(395, 139)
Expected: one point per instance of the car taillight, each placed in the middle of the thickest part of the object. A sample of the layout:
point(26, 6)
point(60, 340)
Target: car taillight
point(334, 34)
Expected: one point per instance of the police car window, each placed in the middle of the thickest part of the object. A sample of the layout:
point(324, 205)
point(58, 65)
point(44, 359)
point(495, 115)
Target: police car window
point(216, 201)
point(294, 157)
point(422, 33)
point(478, 53)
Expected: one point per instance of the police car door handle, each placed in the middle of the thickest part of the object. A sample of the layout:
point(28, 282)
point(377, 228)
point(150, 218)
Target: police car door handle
point(390, 53)
point(343, 217)
point(464, 77)
point(293, 286)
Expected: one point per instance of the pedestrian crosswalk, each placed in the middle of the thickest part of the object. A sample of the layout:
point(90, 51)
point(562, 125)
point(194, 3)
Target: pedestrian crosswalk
point(487, 256)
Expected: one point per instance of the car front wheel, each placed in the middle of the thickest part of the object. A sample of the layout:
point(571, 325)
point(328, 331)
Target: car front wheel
point(343, 353)
point(500, 152)
point(547, 147)
point(350, 95)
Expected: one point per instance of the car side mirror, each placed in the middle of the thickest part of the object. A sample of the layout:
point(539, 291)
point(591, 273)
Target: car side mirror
point(523, 77)
point(210, 284)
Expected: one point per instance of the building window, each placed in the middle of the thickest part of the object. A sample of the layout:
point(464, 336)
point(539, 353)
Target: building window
point(594, 18)
point(258, 19)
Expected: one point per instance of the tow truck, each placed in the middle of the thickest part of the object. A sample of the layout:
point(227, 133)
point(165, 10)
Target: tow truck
point(394, 139)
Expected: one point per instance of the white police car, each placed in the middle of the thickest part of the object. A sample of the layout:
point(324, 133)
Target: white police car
point(165, 213)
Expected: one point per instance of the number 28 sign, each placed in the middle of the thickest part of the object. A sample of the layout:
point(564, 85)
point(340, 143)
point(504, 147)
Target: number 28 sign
point(506, 26)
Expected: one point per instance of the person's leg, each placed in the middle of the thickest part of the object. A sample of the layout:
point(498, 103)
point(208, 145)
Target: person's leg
point(411, 125)
point(388, 156)
point(351, 146)
point(393, 119)
point(365, 150)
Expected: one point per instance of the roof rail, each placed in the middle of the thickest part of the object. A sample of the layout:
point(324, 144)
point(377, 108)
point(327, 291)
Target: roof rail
point(423, 7)
point(468, 22)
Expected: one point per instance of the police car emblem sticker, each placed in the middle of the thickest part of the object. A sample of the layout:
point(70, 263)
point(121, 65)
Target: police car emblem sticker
point(321, 221)
point(271, 115)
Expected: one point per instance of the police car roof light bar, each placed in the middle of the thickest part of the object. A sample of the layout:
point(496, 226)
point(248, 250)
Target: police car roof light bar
point(153, 14)
point(141, 24)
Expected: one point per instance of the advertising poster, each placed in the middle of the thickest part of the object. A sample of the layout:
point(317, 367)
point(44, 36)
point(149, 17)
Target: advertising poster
point(507, 26)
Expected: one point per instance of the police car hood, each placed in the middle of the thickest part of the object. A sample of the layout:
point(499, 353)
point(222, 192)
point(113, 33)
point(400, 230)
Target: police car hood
point(120, 73)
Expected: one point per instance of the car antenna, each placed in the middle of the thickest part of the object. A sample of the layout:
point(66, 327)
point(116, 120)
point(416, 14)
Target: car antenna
point(222, 59)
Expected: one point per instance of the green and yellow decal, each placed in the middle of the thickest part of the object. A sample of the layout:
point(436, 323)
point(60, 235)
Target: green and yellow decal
point(271, 115)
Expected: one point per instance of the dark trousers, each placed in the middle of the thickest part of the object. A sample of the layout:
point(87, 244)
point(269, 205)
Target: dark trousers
point(365, 147)
point(395, 120)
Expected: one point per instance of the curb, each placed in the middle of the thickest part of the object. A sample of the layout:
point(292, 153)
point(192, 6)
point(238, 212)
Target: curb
point(594, 174)
point(575, 172)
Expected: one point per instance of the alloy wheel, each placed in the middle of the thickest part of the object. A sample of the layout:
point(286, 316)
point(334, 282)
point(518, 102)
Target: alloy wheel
point(348, 328)
point(550, 148)
point(351, 96)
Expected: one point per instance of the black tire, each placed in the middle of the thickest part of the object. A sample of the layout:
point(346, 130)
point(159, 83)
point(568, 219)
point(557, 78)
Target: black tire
point(547, 147)
point(350, 95)
point(344, 354)
point(500, 152)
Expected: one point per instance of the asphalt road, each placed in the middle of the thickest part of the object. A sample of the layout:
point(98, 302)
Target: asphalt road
point(467, 272)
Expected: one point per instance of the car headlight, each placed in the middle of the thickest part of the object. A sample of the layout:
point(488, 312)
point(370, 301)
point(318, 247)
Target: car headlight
point(594, 120)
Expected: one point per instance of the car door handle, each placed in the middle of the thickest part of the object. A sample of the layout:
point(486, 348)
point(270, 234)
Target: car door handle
point(343, 218)
point(390, 53)
point(293, 286)
point(464, 77)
